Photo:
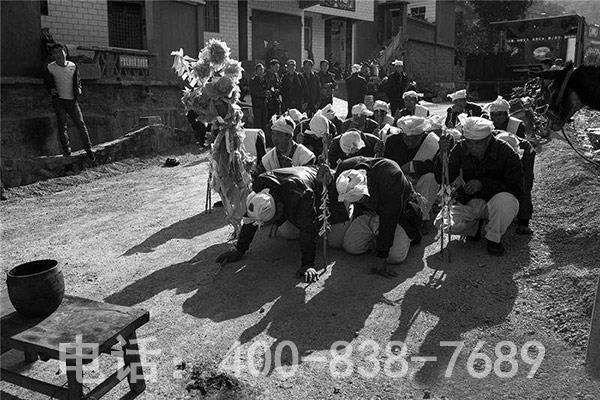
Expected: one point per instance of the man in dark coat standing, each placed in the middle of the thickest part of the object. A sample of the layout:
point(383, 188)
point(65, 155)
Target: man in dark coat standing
point(258, 92)
point(395, 86)
point(328, 84)
point(357, 88)
point(293, 88)
point(313, 86)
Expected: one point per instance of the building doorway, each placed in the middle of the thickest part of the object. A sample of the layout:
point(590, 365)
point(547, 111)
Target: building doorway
point(338, 41)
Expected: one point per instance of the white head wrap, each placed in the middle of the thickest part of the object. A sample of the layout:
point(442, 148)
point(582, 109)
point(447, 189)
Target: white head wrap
point(318, 126)
point(351, 185)
point(477, 128)
point(328, 112)
point(512, 140)
point(436, 122)
point(412, 125)
point(284, 124)
point(355, 68)
point(351, 142)
point(260, 206)
point(296, 115)
point(398, 62)
point(361, 109)
point(459, 94)
point(381, 106)
point(455, 133)
point(411, 93)
point(498, 105)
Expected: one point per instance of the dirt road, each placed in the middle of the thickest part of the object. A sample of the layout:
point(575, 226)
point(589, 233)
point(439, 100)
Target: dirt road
point(142, 238)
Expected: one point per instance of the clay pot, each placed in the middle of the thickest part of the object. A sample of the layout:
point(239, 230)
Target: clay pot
point(36, 288)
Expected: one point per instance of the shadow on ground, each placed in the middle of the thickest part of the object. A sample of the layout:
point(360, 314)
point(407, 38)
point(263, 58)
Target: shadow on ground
point(267, 274)
point(188, 228)
point(475, 290)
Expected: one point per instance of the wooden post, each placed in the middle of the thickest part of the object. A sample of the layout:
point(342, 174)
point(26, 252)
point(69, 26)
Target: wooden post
point(592, 358)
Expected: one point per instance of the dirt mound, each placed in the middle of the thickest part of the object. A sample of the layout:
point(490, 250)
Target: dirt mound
point(566, 218)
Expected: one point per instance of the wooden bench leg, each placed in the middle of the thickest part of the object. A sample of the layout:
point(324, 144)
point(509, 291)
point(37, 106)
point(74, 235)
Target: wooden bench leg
point(75, 387)
point(137, 384)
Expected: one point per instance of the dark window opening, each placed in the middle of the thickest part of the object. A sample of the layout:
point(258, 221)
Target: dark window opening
point(211, 16)
point(418, 12)
point(127, 24)
point(44, 7)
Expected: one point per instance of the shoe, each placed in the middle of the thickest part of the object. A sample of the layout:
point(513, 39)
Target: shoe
point(218, 204)
point(67, 153)
point(171, 162)
point(477, 236)
point(495, 249)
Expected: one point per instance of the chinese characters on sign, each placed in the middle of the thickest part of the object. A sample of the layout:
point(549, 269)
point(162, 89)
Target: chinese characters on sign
point(128, 61)
point(348, 5)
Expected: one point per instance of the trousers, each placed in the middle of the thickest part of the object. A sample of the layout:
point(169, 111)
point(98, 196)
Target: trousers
point(62, 108)
point(499, 212)
point(362, 234)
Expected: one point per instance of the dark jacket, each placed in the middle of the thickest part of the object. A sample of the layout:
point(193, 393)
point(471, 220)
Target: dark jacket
point(293, 91)
point(50, 84)
point(398, 151)
point(370, 126)
point(391, 196)
point(471, 109)
point(313, 90)
point(499, 171)
point(396, 86)
point(336, 154)
point(357, 89)
point(314, 143)
point(328, 84)
point(406, 112)
point(297, 194)
point(258, 90)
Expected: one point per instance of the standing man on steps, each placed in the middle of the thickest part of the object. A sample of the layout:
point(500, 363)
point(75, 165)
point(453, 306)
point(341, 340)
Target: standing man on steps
point(62, 81)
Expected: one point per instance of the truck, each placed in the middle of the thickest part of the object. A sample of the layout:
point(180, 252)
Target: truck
point(523, 45)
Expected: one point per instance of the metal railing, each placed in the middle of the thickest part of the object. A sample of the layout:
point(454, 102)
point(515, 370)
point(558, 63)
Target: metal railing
point(113, 63)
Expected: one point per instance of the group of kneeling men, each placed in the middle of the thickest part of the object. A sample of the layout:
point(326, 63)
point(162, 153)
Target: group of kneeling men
point(383, 176)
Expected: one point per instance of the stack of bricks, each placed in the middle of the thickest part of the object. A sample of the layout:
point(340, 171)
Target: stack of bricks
point(78, 22)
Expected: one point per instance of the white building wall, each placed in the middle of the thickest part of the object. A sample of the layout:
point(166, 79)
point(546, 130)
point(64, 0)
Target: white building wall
point(228, 26)
point(77, 22)
point(429, 8)
point(318, 42)
point(365, 10)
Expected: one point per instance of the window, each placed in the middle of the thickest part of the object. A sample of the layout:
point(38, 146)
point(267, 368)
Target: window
point(126, 24)
point(418, 12)
point(44, 7)
point(308, 34)
point(211, 16)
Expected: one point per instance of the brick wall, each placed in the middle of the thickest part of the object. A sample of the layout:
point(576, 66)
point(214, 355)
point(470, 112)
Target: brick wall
point(228, 26)
point(78, 22)
point(429, 65)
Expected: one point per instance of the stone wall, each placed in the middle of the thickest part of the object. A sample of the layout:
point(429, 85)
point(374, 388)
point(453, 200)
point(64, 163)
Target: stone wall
point(109, 109)
point(19, 171)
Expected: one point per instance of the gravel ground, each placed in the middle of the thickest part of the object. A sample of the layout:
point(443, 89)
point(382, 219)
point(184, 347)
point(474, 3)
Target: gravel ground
point(135, 233)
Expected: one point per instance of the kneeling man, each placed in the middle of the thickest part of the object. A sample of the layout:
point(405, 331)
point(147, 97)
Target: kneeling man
point(390, 215)
point(414, 150)
point(286, 153)
point(289, 198)
point(494, 183)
